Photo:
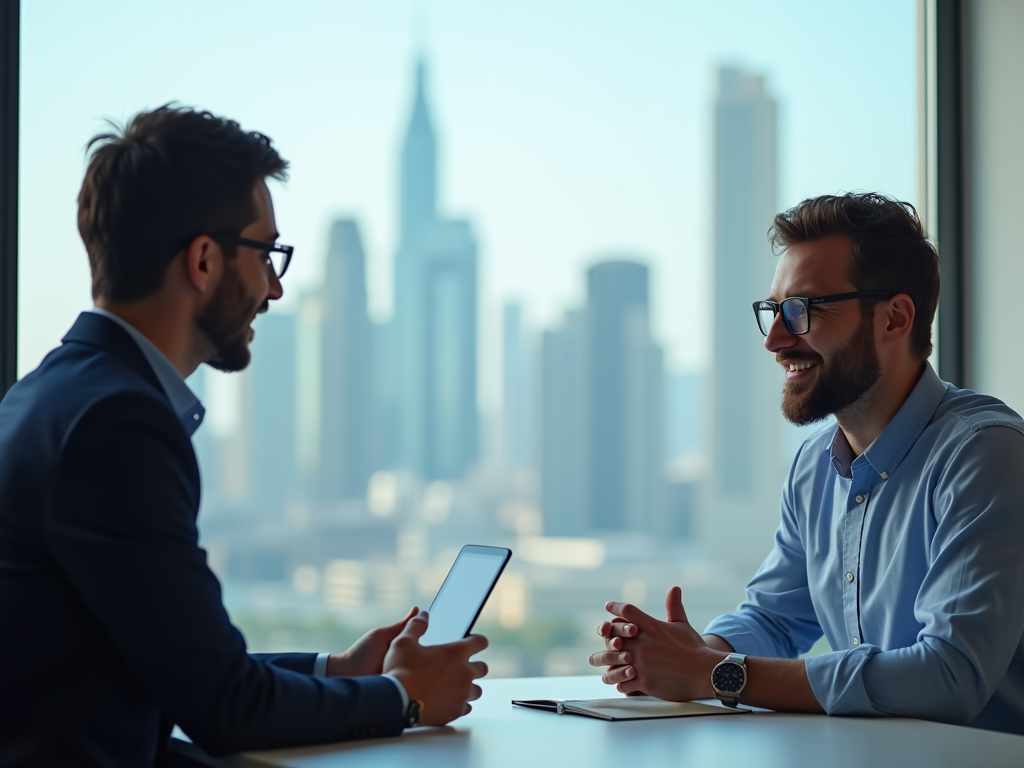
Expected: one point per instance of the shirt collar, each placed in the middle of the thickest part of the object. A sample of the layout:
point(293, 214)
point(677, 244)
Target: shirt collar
point(184, 402)
point(899, 435)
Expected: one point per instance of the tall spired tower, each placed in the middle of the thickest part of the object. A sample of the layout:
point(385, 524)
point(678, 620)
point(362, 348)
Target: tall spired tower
point(435, 315)
point(419, 166)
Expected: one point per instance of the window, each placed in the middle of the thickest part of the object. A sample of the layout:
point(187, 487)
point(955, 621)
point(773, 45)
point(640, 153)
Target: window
point(527, 240)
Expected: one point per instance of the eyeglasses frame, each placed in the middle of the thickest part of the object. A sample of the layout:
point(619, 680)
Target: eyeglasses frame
point(259, 245)
point(808, 302)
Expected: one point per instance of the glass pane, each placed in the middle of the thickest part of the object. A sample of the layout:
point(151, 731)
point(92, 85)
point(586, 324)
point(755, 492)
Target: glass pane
point(520, 314)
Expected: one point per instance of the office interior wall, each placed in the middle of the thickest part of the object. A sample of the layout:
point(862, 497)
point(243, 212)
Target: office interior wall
point(995, 172)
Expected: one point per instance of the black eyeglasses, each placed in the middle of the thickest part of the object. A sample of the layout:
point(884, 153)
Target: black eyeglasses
point(796, 311)
point(279, 256)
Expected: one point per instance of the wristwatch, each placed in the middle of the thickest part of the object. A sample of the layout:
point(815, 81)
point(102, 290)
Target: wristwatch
point(413, 713)
point(729, 678)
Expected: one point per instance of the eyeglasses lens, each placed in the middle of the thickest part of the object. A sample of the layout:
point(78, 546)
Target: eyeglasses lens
point(794, 312)
point(279, 261)
point(765, 317)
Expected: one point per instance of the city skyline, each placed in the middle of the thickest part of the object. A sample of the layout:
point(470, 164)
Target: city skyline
point(619, 154)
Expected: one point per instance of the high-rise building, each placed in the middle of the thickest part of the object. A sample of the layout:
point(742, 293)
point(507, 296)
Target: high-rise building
point(517, 413)
point(349, 432)
point(625, 378)
point(601, 427)
point(268, 425)
point(435, 334)
point(563, 428)
point(745, 476)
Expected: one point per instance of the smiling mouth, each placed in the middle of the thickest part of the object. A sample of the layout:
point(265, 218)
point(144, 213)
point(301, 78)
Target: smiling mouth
point(794, 367)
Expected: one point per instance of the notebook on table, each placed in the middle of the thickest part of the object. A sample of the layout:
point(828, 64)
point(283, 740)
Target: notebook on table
point(627, 708)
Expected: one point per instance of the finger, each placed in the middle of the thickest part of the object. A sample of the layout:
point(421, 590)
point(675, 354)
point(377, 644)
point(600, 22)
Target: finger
point(473, 644)
point(391, 631)
point(617, 675)
point(630, 688)
point(475, 692)
point(632, 614)
point(610, 659)
point(604, 629)
point(674, 605)
point(479, 669)
point(415, 626)
point(624, 629)
point(614, 644)
point(466, 710)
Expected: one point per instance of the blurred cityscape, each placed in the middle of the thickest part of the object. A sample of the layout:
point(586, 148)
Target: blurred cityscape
point(362, 462)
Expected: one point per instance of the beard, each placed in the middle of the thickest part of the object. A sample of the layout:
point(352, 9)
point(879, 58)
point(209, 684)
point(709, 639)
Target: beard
point(851, 372)
point(225, 321)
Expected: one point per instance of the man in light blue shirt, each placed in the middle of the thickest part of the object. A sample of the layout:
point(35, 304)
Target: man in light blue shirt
point(902, 528)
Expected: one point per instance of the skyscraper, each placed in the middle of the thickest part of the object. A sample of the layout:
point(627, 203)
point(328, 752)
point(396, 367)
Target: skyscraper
point(269, 419)
point(745, 383)
point(435, 319)
point(563, 428)
point(601, 426)
point(348, 434)
point(624, 377)
point(517, 415)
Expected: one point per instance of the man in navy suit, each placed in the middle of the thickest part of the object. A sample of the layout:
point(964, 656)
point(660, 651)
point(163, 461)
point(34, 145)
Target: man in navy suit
point(113, 627)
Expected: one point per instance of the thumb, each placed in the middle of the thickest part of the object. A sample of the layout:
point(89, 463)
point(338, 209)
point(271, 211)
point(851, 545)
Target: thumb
point(391, 631)
point(416, 626)
point(674, 605)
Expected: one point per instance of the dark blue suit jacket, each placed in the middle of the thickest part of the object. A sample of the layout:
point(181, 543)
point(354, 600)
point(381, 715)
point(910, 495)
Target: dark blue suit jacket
point(111, 622)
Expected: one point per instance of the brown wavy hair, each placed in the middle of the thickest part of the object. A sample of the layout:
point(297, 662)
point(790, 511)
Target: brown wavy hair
point(155, 184)
point(890, 249)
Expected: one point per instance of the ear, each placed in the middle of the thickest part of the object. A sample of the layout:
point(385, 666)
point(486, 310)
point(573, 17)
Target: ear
point(204, 262)
point(899, 318)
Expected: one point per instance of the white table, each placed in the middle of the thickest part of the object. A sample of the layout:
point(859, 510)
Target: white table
point(498, 735)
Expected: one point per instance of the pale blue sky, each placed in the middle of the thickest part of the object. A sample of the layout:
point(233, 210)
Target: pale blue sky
point(569, 130)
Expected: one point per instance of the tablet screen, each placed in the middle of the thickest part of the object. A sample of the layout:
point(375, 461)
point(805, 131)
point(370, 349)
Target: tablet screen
point(464, 592)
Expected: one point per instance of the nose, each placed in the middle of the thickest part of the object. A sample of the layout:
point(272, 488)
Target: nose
point(779, 337)
point(276, 289)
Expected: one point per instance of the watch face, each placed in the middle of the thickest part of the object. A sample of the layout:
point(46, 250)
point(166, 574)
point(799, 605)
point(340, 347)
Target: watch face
point(728, 677)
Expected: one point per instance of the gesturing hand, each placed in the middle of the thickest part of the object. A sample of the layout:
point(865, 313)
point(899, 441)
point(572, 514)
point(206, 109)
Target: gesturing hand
point(667, 659)
point(366, 656)
point(440, 676)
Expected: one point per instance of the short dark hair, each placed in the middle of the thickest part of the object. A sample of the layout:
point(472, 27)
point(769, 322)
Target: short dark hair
point(890, 250)
point(155, 184)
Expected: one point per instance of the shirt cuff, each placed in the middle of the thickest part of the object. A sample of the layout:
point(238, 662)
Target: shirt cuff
point(837, 680)
point(401, 691)
point(320, 665)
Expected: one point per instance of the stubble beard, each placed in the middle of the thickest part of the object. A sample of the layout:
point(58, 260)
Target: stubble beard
point(225, 321)
point(840, 385)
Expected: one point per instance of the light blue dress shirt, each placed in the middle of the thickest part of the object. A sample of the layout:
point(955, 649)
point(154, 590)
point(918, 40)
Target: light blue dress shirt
point(191, 412)
point(910, 559)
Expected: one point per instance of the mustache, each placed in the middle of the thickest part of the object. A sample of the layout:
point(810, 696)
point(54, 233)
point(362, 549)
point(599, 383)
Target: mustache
point(783, 358)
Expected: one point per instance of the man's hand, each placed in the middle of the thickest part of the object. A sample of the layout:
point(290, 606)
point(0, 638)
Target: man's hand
point(667, 659)
point(440, 676)
point(366, 656)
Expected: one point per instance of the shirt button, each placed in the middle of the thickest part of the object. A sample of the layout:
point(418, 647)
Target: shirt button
point(195, 417)
point(885, 475)
point(856, 641)
point(858, 498)
point(849, 576)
